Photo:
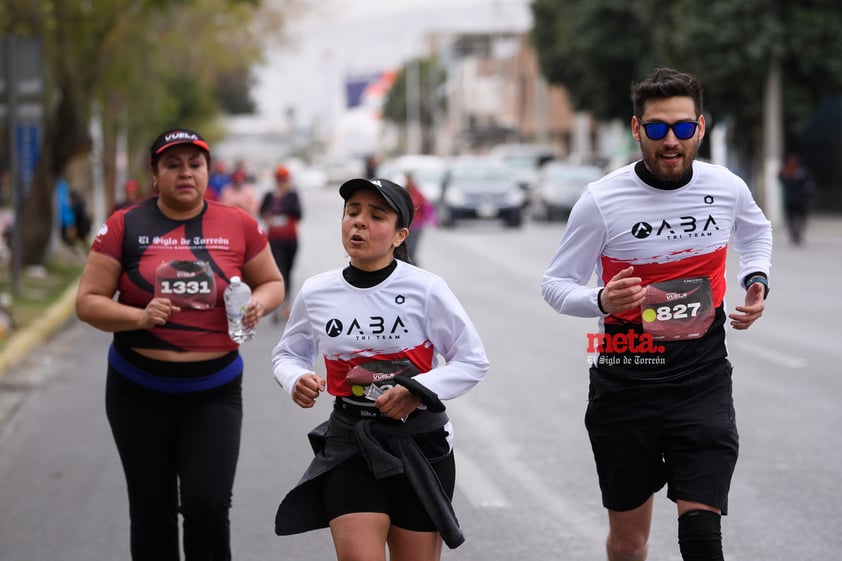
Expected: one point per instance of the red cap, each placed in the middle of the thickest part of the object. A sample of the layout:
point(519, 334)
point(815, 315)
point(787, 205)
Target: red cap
point(281, 172)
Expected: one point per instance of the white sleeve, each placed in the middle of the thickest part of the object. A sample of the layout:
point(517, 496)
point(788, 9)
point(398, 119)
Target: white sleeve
point(752, 236)
point(565, 283)
point(297, 351)
point(455, 337)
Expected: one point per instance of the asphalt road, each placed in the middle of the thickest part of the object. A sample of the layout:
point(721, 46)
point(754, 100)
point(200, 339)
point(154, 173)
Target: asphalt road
point(526, 485)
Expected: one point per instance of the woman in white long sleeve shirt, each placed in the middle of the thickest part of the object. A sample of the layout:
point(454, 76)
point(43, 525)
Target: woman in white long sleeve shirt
point(384, 472)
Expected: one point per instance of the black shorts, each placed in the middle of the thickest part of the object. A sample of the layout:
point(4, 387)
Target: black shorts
point(680, 432)
point(351, 487)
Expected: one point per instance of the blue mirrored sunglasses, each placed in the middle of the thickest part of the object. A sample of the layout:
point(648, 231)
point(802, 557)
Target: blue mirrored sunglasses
point(682, 129)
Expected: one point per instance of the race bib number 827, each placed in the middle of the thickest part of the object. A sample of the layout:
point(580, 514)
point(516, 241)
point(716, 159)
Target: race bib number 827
point(678, 309)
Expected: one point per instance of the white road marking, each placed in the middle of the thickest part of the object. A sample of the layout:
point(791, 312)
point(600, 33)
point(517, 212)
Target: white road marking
point(480, 491)
point(473, 480)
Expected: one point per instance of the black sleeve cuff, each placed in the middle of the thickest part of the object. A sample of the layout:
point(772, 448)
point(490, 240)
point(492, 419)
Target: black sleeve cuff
point(428, 397)
point(599, 301)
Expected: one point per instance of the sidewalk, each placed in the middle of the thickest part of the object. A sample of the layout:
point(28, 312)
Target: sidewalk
point(24, 341)
point(14, 386)
point(14, 383)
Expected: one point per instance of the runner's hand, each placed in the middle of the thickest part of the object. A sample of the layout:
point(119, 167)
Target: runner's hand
point(397, 403)
point(753, 309)
point(157, 312)
point(253, 313)
point(307, 389)
point(623, 292)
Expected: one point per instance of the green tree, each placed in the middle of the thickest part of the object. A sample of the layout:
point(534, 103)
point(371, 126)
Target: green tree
point(196, 65)
point(597, 48)
point(140, 65)
point(429, 96)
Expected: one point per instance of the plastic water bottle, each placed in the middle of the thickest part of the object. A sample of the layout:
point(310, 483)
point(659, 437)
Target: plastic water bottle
point(237, 297)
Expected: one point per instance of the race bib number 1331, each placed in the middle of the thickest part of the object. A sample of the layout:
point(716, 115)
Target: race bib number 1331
point(188, 284)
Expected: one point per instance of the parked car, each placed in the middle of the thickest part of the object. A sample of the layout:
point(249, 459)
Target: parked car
point(559, 186)
point(480, 187)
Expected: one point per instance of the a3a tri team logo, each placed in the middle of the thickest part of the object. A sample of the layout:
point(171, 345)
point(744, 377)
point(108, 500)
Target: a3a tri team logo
point(685, 226)
point(375, 327)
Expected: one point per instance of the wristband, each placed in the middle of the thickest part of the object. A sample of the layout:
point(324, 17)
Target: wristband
point(762, 280)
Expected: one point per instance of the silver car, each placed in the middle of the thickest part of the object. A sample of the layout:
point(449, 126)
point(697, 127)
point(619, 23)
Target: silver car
point(480, 187)
point(559, 186)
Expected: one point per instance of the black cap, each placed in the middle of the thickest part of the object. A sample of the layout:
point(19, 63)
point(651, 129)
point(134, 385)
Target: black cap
point(395, 196)
point(174, 137)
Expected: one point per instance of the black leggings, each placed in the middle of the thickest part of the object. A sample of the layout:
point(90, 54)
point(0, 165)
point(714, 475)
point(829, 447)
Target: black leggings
point(177, 446)
point(284, 253)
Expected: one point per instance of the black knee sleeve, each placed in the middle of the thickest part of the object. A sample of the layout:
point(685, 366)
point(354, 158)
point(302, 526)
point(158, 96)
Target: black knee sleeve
point(700, 536)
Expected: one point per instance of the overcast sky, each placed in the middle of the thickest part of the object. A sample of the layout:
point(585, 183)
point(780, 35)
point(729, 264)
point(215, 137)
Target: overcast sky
point(340, 37)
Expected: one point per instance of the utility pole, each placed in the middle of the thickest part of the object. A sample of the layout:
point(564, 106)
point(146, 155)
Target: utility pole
point(23, 84)
point(772, 142)
point(413, 107)
point(542, 114)
point(10, 83)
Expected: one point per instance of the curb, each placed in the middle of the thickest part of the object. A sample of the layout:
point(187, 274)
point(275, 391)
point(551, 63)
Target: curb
point(23, 342)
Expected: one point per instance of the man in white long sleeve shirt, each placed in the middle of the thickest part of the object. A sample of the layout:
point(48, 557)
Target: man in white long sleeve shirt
point(656, 233)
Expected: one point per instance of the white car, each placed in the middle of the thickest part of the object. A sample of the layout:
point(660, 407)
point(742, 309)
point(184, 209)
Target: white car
point(427, 171)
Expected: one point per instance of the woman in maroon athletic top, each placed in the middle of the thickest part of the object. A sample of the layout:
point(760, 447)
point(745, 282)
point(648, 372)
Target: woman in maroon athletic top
point(173, 391)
